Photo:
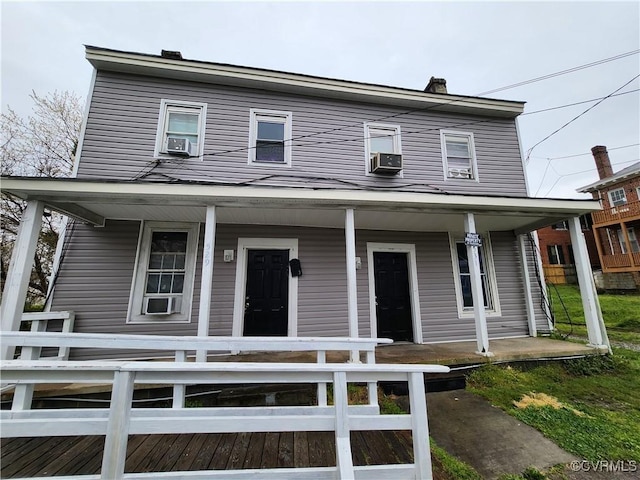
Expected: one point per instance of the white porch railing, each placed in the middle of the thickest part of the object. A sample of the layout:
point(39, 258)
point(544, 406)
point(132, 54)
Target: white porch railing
point(32, 342)
point(120, 420)
point(40, 323)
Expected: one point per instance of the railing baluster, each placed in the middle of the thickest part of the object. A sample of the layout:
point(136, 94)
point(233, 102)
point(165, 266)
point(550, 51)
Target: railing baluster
point(179, 389)
point(372, 386)
point(420, 427)
point(322, 386)
point(344, 460)
point(115, 444)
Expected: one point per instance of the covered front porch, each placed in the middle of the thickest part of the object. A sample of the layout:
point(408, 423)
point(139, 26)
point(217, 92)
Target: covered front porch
point(351, 212)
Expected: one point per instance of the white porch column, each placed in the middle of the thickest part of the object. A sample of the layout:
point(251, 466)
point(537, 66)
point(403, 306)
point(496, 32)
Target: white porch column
point(207, 278)
point(482, 334)
point(590, 304)
point(528, 299)
point(352, 290)
point(17, 282)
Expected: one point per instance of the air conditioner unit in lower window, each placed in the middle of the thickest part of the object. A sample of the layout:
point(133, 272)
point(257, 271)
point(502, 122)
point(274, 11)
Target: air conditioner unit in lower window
point(386, 163)
point(159, 305)
point(459, 172)
point(180, 146)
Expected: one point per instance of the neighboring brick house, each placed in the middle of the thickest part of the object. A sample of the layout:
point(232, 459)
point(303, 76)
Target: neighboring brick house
point(556, 251)
point(617, 225)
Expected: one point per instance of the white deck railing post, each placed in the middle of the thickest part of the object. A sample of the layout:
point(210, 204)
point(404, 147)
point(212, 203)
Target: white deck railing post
point(352, 287)
point(179, 389)
point(115, 443)
point(372, 386)
point(344, 460)
point(420, 427)
point(322, 386)
point(206, 282)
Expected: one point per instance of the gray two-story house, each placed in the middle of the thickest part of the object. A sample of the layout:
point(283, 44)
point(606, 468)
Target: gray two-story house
point(212, 199)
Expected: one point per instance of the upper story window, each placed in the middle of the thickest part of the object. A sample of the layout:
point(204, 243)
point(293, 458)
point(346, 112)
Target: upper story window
point(270, 137)
point(181, 128)
point(561, 226)
point(458, 155)
point(165, 271)
point(381, 139)
point(617, 197)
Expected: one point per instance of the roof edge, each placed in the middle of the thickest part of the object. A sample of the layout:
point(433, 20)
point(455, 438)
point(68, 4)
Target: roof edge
point(209, 72)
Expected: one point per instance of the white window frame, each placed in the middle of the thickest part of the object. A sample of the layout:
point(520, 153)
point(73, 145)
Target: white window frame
point(633, 240)
point(275, 116)
point(136, 297)
point(487, 254)
point(167, 106)
point(410, 250)
point(559, 254)
point(472, 148)
point(397, 143)
point(611, 201)
point(246, 244)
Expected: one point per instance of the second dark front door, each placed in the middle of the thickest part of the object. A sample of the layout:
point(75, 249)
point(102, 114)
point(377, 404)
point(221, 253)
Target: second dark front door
point(267, 293)
point(393, 298)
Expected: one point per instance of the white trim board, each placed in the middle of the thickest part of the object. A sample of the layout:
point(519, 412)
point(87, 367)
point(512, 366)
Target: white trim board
point(410, 250)
point(245, 244)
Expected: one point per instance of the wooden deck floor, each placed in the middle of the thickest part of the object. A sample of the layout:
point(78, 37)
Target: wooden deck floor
point(30, 457)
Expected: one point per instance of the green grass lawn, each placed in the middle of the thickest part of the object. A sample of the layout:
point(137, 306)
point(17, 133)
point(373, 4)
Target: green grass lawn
point(621, 313)
point(597, 412)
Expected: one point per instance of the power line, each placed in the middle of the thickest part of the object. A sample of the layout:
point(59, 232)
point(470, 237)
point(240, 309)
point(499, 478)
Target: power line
point(431, 107)
point(577, 117)
point(562, 72)
point(561, 176)
point(577, 103)
point(591, 153)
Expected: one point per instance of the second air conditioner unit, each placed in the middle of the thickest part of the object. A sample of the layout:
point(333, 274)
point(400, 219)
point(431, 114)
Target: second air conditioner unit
point(386, 163)
point(180, 146)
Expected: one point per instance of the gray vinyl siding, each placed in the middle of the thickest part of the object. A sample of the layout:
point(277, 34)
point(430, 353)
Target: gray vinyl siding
point(124, 110)
point(97, 270)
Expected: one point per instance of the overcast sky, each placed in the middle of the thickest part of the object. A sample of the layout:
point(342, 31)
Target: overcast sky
point(477, 47)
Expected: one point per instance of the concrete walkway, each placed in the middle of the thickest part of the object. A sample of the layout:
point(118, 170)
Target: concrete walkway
point(483, 436)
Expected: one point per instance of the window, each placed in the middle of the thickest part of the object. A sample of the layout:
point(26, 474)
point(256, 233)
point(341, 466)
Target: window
point(561, 226)
point(633, 240)
point(586, 222)
point(165, 269)
point(556, 255)
point(270, 137)
point(380, 138)
point(617, 197)
point(181, 121)
point(458, 155)
point(463, 280)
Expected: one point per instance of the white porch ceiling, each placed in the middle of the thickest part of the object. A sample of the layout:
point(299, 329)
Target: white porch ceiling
point(396, 211)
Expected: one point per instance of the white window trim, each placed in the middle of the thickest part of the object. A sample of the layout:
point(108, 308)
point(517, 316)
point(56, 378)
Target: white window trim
point(276, 116)
point(474, 158)
point(624, 194)
point(397, 144)
point(557, 248)
point(136, 296)
point(410, 250)
point(246, 244)
point(165, 105)
point(488, 263)
point(622, 241)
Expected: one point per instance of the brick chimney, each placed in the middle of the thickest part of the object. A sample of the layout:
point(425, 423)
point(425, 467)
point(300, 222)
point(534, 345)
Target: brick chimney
point(601, 156)
point(436, 85)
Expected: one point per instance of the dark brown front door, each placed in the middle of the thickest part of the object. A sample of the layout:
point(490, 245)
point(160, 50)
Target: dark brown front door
point(267, 293)
point(393, 299)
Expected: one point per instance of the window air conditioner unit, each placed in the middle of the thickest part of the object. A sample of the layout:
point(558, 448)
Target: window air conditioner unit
point(180, 146)
point(459, 173)
point(386, 163)
point(158, 305)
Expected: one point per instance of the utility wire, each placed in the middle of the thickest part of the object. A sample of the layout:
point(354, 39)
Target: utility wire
point(561, 176)
point(587, 153)
point(577, 103)
point(578, 116)
point(562, 72)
